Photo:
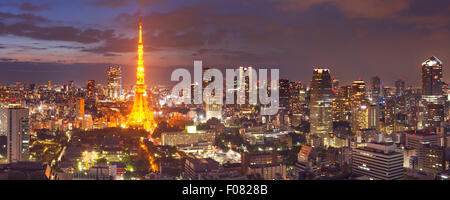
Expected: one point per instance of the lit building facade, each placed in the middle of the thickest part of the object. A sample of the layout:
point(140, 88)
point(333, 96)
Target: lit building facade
point(360, 106)
point(413, 139)
point(321, 118)
point(341, 104)
point(80, 108)
point(375, 90)
point(114, 76)
point(432, 76)
point(213, 110)
point(400, 87)
point(431, 158)
point(378, 161)
point(17, 132)
point(90, 89)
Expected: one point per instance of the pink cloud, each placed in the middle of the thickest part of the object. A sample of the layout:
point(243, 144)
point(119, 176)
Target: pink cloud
point(369, 9)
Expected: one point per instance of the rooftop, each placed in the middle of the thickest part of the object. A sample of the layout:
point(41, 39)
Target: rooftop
point(386, 148)
point(421, 133)
point(432, 61)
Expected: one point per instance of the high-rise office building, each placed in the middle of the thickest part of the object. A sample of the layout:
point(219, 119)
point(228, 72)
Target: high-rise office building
point(431, 158)
point(114, 82)
point(400, 87)
point(378, 161)
point(359, 106)
point(375, 90)
point(321, 104)
point(434, 117)
point(90, 88)
point(79, 108)
point(49, 84)
point(413, 139)
point(90, 99)
point(358, 90)
point(374, 117)
point(335, 84)
point(205, 83)
point(394, 114)
point(213, 110)
point(17, 132)
point(245, 79)
point(432, 76)
point(341, 104)
point(295, 99)
point(284, 85)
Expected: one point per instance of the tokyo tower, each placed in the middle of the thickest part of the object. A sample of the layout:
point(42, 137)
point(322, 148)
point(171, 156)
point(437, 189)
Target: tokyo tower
point(141, 116)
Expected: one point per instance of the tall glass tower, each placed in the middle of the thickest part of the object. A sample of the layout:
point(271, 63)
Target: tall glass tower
point(432, 76)
point(321, 104)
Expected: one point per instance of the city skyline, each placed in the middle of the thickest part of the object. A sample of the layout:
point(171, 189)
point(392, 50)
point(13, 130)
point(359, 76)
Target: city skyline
point(359, 111)
point(294, 37)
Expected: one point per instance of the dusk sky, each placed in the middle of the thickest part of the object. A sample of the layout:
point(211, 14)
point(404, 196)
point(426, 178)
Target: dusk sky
point(58, 40)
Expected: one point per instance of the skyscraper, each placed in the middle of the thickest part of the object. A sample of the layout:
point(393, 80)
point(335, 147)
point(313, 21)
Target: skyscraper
point(400, 87)
point(245, 79)
point(435, 116)
point(140, 115)
point(335, 84)
point(374, 117)
point(375, 90)
point(321, 104)
point(79, 108)
point(341, 104)
point(114, 82)
point(212, 110)
point(17, 132)
point(358, 90)
point(49, 84)
point(432, 76)
point(90, 88)
point(90, 99)
point(284, 94)
point(359, 106)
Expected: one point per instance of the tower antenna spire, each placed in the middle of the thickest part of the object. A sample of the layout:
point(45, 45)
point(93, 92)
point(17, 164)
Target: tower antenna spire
point(140, 28)
point(141, 115)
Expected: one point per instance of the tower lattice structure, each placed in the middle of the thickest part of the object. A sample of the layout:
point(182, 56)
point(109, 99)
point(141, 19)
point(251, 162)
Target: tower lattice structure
point(141, 116)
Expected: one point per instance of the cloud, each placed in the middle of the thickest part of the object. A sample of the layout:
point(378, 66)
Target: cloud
point(189, 27)
point(55, 71)
point(67, 47)
point(30, 7)
point(110, 3)
point(234, 55)
point(8, 60)
point(25, 18)
point(116, 45)
point(368, 9)
point(122, 3)
point(145, 3)
point(55, 33)
point(427, 22)
point(109, 54)
point(27, 25)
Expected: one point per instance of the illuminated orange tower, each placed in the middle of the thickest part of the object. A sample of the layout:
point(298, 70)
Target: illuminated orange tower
point(141, 116)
